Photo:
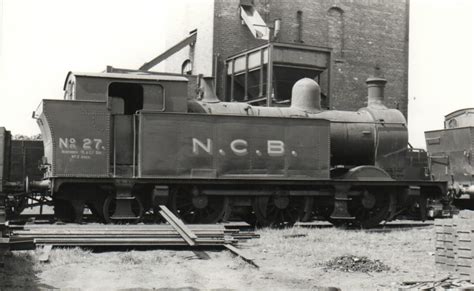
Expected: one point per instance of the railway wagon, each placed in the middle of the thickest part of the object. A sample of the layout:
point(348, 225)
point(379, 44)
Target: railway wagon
point(19, 164)
point(121, 144)
point(451, 157)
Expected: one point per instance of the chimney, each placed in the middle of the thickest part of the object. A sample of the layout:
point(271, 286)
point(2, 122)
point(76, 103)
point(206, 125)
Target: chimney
point(375, 91)
point(208, 91)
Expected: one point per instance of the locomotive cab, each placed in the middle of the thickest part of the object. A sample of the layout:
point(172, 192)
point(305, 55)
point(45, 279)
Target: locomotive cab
point(98, 114)
point(92, 133)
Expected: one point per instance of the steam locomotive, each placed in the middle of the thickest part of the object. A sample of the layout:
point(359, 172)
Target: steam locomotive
point(120, 144)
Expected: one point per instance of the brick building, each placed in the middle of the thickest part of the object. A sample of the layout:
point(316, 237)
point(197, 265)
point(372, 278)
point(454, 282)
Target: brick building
point(363, 38)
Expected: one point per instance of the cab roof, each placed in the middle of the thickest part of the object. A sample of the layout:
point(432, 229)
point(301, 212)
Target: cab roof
point(459, 112)
point(127, 76)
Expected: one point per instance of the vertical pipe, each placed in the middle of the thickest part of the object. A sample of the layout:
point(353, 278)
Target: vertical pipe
point(269, 74)
point(299, 26)
point(41, 206)
point(112, 121)
point(135, 152)
point(329, 97)
point(260, 85)
point(246, 85)
point(214, 72)
point(226, 69)
point(23, 149)
point(232, 81)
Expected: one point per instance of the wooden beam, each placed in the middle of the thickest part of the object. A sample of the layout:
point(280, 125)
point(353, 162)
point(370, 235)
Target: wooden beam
point(239, 253)
point(178, 225)
point(171, 51)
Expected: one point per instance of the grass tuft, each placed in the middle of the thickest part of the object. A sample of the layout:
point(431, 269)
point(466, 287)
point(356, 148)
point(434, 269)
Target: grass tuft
point(130, 258)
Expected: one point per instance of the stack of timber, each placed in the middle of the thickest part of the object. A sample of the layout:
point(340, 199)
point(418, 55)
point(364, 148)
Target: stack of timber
point(454, 245)
point(175, 233)
point(132, 235)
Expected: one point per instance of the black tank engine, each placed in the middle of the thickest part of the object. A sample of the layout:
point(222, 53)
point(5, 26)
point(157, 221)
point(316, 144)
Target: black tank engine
point(121, 144)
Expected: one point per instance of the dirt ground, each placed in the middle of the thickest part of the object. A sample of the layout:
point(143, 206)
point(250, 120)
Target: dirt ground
point(288, 259)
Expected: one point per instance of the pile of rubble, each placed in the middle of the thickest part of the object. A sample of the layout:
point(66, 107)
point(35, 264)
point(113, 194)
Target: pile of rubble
point(350, 263)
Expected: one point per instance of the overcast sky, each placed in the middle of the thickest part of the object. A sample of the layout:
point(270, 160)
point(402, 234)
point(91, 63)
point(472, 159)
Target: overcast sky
point(40, 41)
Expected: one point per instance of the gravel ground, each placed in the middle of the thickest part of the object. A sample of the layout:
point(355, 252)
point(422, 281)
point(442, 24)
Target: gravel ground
point(294, 258)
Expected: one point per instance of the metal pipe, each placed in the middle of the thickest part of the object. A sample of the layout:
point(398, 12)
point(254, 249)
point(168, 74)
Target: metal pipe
point(38, 185)
point(269, 74)
point(277, 26)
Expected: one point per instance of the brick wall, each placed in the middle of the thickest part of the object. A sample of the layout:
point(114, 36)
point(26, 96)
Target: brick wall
point(366, 35)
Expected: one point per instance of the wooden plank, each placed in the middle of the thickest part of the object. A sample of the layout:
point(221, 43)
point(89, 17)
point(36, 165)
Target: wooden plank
point(130, 242)
point(185, 232)
point(439, 244)
point(450, 254)
point(463, 262)
point(463, 236)
point(178, 221)
point(440, 260)
point(464, 245)
point(463, 270)
point(240, 254)
point(467, 254)
point(472, 265)
point(450, 268)
point(117, 227)
point(440, 257)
